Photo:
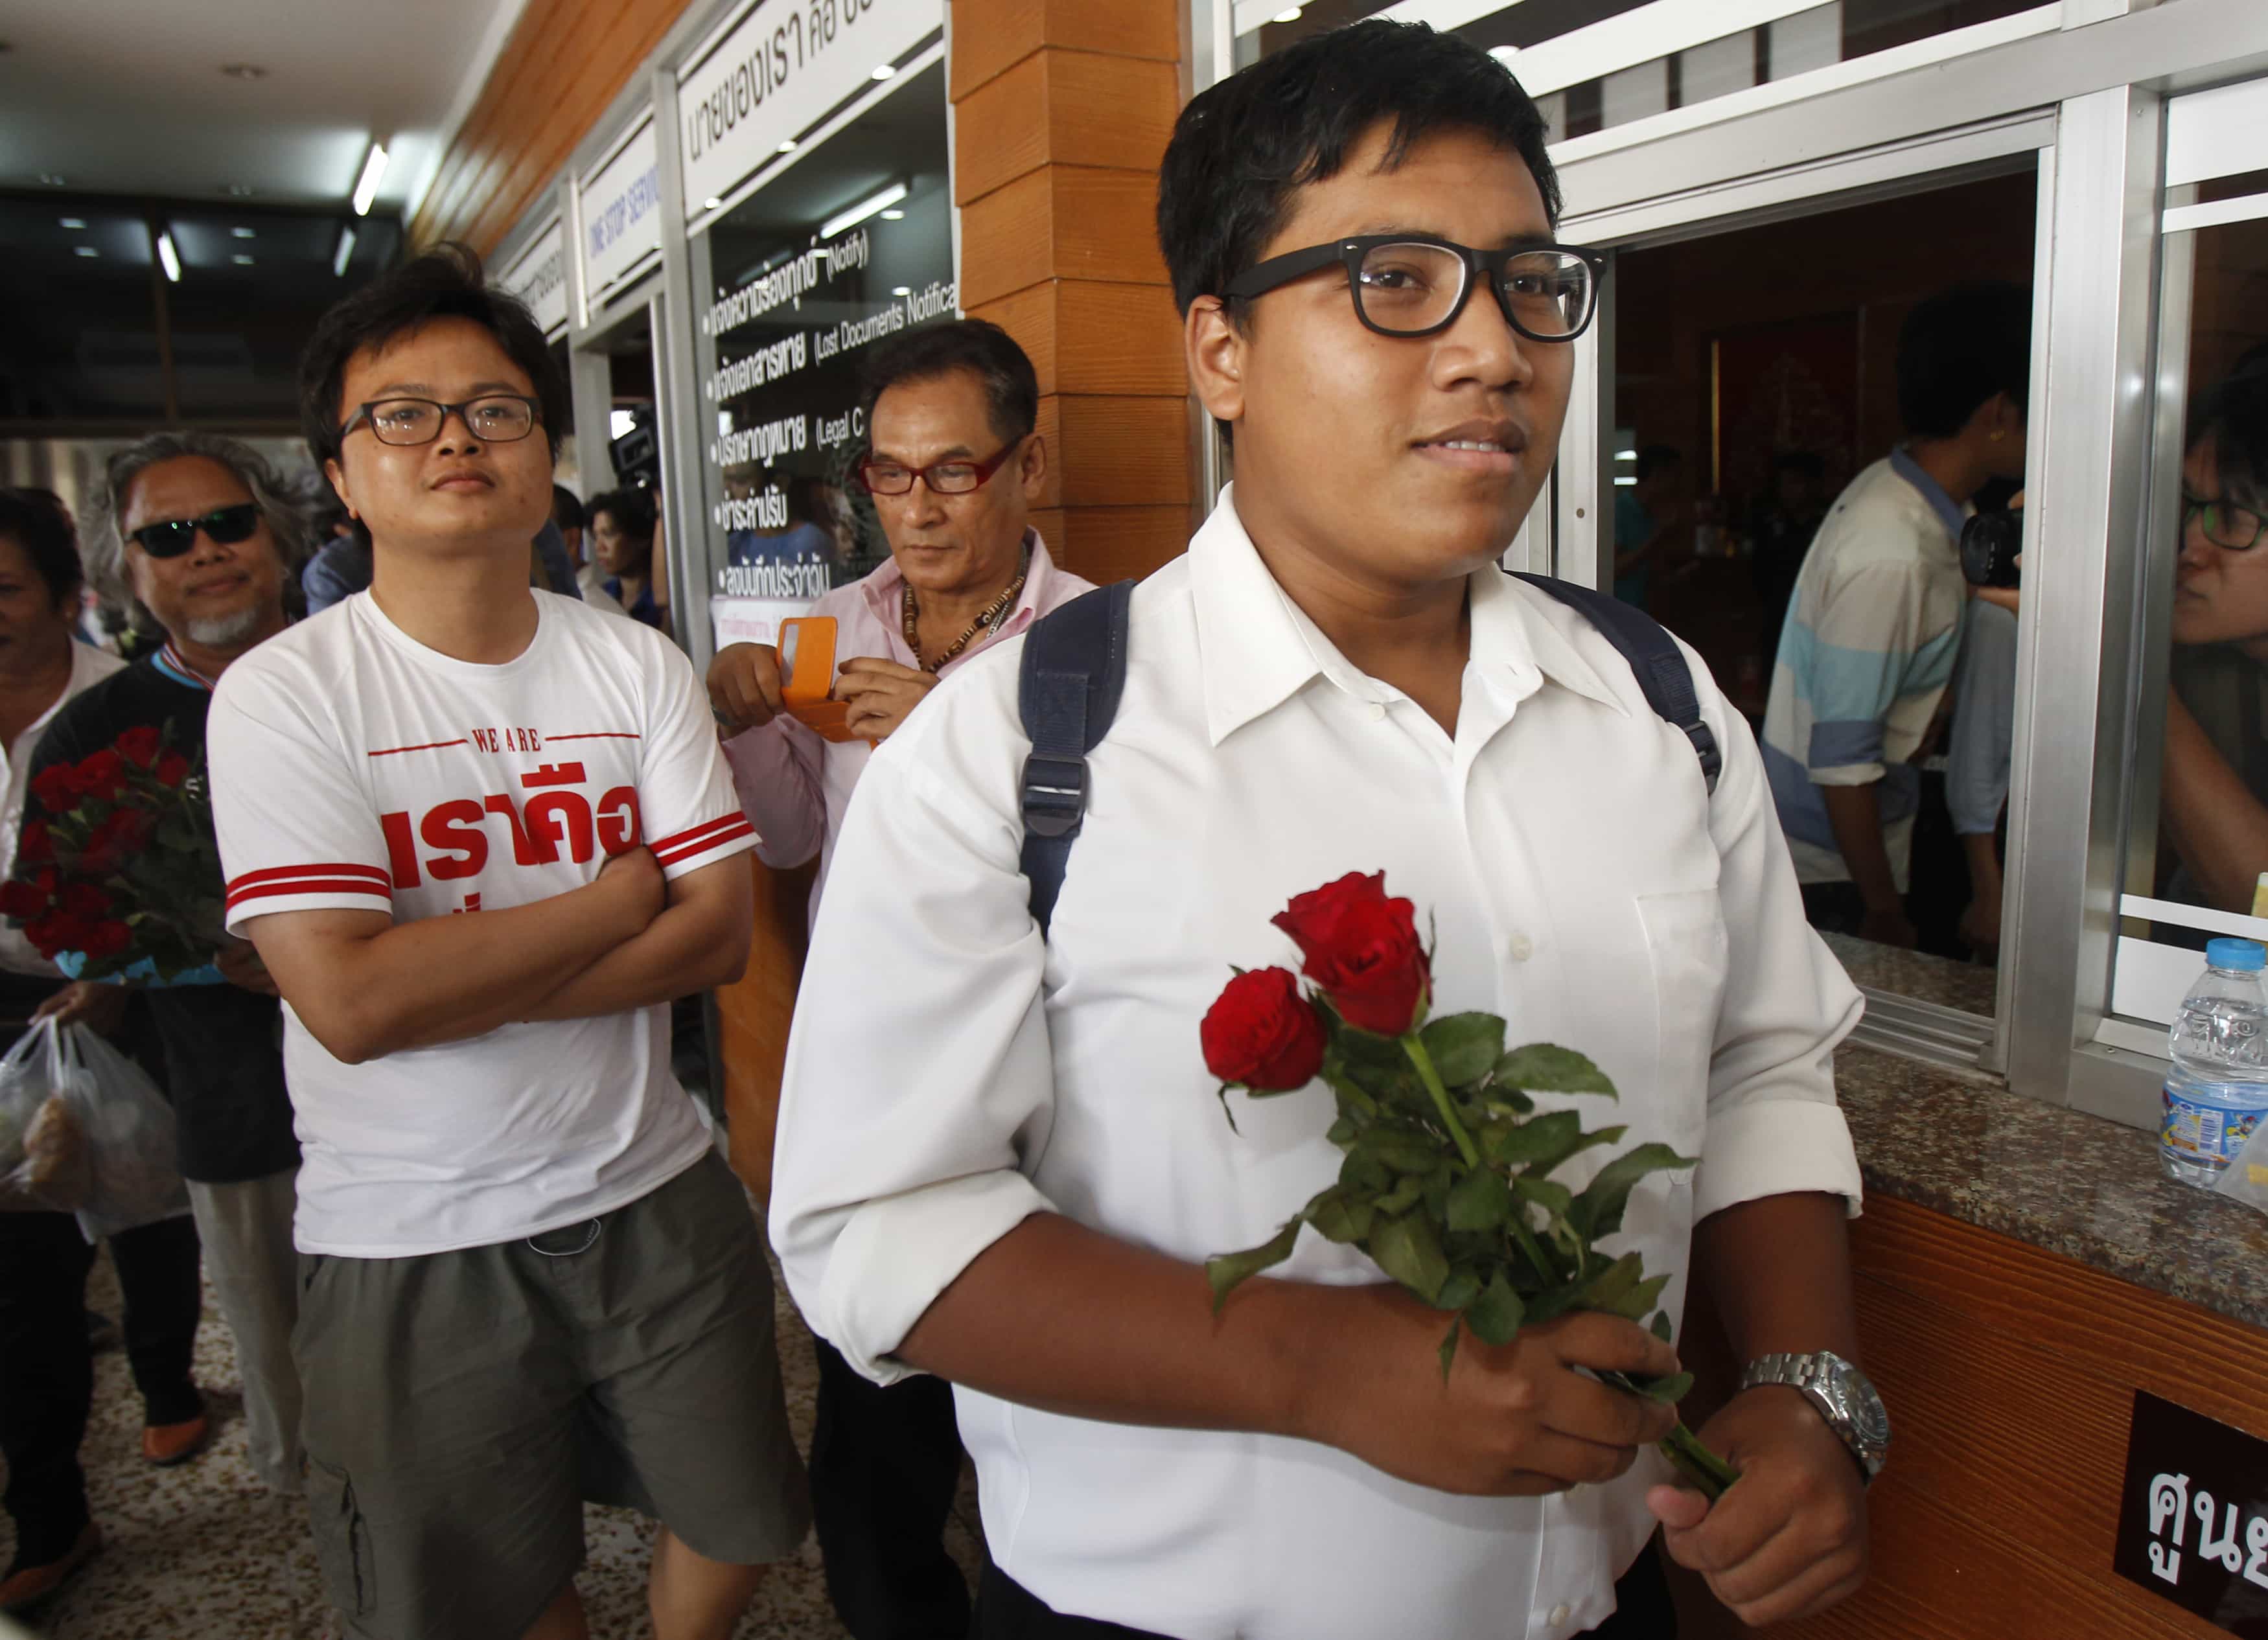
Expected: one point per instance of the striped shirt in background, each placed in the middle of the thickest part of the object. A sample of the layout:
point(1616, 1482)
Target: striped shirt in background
point(1865, 657)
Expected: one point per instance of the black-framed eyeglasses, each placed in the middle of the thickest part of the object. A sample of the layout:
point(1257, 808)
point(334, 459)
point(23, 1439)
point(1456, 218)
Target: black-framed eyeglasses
point(226, 525)
point(2239, 529)
point(1413, 284)
point(956, 477)
point(495, 418)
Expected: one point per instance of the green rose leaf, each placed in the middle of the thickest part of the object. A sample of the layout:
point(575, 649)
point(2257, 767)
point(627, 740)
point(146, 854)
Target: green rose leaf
point(1342, 1217)
point(1542, 1067)
point(1401, 1148)
point(1460, 1289)
point(1463, 1046)
point(1669, 1391)
point(1402, 1198)
point(1227, 1271)
point(1498, 1314)
point(1407, 1249)
point(1553, 1197)
point(1519, 1145)
point(1661, 1329)
point(1480, 1200)
point(1598, 1211)
point(1448, 1352)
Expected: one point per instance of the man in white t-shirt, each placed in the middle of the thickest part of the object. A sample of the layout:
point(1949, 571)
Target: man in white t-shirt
point(482, 836)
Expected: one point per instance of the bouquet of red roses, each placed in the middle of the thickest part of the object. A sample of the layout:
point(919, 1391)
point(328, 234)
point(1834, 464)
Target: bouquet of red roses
point(1447, 1183)
point(123, 868)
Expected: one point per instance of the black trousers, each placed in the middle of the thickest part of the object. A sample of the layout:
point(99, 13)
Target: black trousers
point(47, 1365)
point(1008, 1611)
point(885, 1464)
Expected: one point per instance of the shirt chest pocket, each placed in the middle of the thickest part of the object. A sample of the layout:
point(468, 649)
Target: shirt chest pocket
point(1686, 948)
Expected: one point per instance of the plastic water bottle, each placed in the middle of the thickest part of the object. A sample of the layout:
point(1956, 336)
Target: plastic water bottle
point(2217, 1092)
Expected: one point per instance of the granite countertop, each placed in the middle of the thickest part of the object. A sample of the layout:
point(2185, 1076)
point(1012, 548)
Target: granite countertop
point(1971, 987)
point(2058, 1179)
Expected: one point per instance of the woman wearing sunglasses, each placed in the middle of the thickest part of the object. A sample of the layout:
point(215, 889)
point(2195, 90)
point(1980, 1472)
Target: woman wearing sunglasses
point(2213, 802)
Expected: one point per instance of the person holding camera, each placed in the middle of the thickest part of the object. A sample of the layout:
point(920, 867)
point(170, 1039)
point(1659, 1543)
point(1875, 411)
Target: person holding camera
point(1858, 695)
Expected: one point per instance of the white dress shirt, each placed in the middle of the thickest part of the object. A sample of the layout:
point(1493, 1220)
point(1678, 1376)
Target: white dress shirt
point(950, 1073)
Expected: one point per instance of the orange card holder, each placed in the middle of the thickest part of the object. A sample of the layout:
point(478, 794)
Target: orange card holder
point(803, 690)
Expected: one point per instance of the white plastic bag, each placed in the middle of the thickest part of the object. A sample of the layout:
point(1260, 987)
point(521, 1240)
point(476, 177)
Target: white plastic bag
point(130, 1133)
point(44, 1165)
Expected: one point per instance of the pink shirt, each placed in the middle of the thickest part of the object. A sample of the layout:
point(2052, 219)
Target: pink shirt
point(794, 785)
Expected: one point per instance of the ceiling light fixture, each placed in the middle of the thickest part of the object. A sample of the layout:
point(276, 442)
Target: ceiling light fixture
point(711, 203)
point(48, 178)
point(862, 209)
point(241, 234)
point(238, 191)
point(73, 223)
point(373, 169)
point(888, 71)
point(86, 250)
point(244, 71)
point(166, 257)
point(1289, 14)
point(344, 252)
point(241, 260)
point(789, 146)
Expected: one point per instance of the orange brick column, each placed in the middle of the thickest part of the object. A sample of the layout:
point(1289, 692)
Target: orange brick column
point(1062, 109)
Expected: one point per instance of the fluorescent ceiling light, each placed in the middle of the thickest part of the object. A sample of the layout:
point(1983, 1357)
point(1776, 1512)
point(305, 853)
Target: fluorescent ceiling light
point(1289, 14)
point(862, 209)
point(789, 146)
point(711, 203)
point(366, 190)
point(51, 179)
point(1627, 482)
point(893, 216)
point(901, 290)
point(344, 253)
point(73, 223)
point(241, 234)
point(166, 258)
point(1625, 455)
point(886, 72)
point(86, 250)
point(241, 260)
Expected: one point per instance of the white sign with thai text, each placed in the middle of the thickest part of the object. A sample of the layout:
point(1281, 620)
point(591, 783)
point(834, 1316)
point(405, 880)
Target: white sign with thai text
point(539, 278)
point(787, 63)
point(619, 214)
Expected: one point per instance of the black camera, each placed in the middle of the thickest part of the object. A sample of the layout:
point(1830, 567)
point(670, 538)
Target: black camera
point(1990, 542)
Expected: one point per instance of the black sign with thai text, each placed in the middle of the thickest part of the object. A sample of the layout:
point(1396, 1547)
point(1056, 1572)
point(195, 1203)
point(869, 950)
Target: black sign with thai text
point(2193, 1516)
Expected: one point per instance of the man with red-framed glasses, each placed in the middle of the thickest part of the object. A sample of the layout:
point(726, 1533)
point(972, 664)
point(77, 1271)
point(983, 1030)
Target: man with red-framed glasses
point(954, 468)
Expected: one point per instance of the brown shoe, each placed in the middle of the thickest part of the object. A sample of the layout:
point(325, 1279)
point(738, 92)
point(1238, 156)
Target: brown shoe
point(27, 1585)
point(166, 1445)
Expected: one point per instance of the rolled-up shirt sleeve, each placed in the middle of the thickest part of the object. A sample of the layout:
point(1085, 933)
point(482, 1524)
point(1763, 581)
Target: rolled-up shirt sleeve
point(1773, 1126)
point(779, 770)
point(919, 1084)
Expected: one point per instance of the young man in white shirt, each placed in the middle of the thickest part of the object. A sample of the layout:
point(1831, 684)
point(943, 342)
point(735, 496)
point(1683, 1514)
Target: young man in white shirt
point(1000, 1159)
point(482, 836)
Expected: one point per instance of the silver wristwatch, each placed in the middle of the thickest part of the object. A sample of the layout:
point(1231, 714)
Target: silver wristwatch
point(1843, 1394)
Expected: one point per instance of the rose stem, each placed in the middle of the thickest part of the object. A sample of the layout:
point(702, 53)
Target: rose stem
point(1432, 1078)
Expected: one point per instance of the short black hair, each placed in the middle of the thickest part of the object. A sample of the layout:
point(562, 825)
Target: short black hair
point(1240, 148)
point(2235, 416)
point(1658, 458)
point(36, 521)
point(633, 511)
point(1959, 347)
point(1011, 386)
point(566, 510)
point(447, 281)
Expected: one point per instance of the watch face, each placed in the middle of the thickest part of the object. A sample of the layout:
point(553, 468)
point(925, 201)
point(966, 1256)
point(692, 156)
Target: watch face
point(1869, 1419)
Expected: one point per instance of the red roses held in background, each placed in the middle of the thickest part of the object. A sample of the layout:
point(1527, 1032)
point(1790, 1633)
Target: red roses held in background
point(121, 867)
point(1447, 1183)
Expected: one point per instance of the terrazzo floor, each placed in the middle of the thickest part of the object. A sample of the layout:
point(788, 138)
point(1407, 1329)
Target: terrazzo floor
point(203, 1552)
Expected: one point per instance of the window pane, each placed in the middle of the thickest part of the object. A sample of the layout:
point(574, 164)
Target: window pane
point(790, 317)
point(2198, 830)
point(79, 324)
point(1758, 398)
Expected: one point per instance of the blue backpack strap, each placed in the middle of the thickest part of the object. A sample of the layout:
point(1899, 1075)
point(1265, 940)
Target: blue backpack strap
point(1074, 670)
point(1654, 657)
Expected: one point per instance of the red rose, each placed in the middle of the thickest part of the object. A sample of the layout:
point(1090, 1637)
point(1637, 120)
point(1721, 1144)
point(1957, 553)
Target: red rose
point(105, 938)
point(173, 768)
point(85, 900)
point(1261, 1034)
point(139, 745)
point(35, 846)
point(102, 775)
point(58, 788)
point(1362, 950)
point(20, 902)
point(58, 933)
point(119, 835)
